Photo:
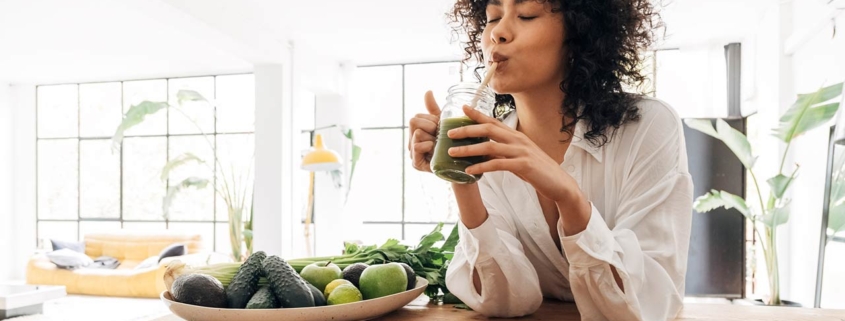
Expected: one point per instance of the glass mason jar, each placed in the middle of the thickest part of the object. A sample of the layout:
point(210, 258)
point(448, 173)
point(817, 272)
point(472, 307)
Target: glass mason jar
point(453, 169)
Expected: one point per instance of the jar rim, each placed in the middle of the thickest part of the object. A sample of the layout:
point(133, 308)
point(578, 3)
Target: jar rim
point(465, 87)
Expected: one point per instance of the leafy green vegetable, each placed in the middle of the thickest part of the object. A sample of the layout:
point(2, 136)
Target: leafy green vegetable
point(427, 260)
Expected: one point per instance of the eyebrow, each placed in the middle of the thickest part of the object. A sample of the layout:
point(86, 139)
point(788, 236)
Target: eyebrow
point(499, 2)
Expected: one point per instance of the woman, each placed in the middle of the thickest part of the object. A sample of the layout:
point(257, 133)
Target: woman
point(586, 196)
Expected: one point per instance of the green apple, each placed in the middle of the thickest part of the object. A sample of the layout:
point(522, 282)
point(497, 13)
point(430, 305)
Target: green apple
point(383, 280)
point(320, 274)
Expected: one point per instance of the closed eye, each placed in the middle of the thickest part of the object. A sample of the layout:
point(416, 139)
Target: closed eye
point(527, 18)
point(494, 20)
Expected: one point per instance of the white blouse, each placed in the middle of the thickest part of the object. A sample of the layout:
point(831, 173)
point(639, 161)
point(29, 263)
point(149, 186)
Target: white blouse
point(641, 194)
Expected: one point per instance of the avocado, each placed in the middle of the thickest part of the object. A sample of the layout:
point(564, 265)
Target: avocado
point(319, 299)
point(199, 289)
point(289, 287)
point(245, 282)
point(352, 273)
point(412, 277)
point(263, 299)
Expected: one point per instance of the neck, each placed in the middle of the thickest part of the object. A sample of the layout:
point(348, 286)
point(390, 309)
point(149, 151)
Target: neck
point(540, 119)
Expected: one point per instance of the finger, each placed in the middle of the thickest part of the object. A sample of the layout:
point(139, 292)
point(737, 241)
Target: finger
point(489, 148)
point(493, 165)
point(499, 134)
point(424, 147)
point(480, 117)
point(422, 136)
point(431, 104)
point(423, 124)
point(433, 118)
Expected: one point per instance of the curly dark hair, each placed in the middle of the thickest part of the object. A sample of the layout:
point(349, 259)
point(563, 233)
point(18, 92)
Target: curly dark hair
point(604, 39)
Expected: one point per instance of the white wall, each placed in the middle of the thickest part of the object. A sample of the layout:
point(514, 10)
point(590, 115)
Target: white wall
point(23, 177)
point(770, 87)
point(6, 157)
point(819, 61)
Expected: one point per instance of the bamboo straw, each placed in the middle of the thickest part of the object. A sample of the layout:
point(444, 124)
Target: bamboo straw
point(484, 84)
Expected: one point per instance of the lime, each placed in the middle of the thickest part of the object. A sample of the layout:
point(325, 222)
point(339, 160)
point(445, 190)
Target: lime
point(345, 293)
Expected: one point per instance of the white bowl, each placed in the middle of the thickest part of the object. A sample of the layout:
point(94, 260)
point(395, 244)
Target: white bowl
point(362, 310)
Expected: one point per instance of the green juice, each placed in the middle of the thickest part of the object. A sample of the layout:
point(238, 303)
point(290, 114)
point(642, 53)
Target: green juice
point(450, 168)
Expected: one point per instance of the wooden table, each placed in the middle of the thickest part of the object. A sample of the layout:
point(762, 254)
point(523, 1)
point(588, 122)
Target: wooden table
point(420, 310)
point(556, 310)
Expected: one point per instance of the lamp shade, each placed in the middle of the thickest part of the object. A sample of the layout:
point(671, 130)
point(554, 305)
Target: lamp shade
point(319, 158)
point(839, 131)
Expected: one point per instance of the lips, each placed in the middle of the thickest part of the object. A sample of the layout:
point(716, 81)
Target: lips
point(497, 57)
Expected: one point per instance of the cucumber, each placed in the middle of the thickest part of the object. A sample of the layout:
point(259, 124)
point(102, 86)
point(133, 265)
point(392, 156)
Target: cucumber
point(263, 299)
point(289, 287)
point(245, 283)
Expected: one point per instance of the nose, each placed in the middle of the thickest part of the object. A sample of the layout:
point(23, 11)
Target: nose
point(502, 32)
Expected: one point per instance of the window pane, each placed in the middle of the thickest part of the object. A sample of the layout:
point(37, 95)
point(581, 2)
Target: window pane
point(57, 179)
point(205, 230)
point(58, 111)
point(427, 197)
point(377, 234)
point(192, 204)
point(424, 77)
point(61, 231)
point(200, 112)
point(235, 103)
point(136, 92)
point(377, 96)
point(414, 232)
point(143, 189)
point(833, 286)
point(222, 243)
point(151, 227)
point(236, 158)
point(99, 109)
point(86, 228)
point(376, 193)
point(99, 179)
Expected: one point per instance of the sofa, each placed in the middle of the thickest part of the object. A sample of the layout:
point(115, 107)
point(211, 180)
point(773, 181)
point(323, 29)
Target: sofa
point(130, 249)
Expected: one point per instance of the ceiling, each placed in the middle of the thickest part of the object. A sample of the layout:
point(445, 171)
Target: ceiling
point(49, 41)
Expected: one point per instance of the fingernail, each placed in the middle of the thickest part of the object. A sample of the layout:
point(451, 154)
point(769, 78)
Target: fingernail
point(452, 150)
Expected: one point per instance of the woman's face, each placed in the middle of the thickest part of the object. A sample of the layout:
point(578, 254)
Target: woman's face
point(526, 38)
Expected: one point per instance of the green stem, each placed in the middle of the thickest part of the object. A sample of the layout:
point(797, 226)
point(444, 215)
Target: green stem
point(757, 186)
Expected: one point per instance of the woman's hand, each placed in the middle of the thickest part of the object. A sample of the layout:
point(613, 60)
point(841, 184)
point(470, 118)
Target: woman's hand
point(423, 130)
point(510, 150)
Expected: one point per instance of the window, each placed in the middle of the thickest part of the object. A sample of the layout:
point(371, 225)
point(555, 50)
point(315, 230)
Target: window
point(84, 187)
point(395, 200)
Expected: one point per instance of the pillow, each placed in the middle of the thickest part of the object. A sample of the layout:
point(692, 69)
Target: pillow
point(151, 261)
point(173, 250)
point(105, 262)
point(69, 259)
point(76, 246)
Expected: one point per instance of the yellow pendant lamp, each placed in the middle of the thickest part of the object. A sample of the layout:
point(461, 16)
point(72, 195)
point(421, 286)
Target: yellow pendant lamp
point(320, 158)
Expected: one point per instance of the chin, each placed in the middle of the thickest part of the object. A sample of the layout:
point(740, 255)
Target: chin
point(505, 87)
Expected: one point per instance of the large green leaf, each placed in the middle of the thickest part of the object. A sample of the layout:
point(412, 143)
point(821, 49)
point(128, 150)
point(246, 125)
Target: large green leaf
point(803, 116)
point(716, 199)
point(134, 116)
point(779, 184)
point(737, 142)
point(189, 95)
point(177, 162)
point(777, 216)
point(174, 190)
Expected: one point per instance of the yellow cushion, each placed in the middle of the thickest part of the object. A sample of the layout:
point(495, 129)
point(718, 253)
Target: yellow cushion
point(130, 248)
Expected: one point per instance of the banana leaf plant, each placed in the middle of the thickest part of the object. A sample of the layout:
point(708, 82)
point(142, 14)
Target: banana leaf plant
point(234, 188)
point(808, 112)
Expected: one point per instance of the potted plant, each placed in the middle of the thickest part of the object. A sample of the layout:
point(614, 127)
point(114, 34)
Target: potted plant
point(808, 112)
point(234, 188)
